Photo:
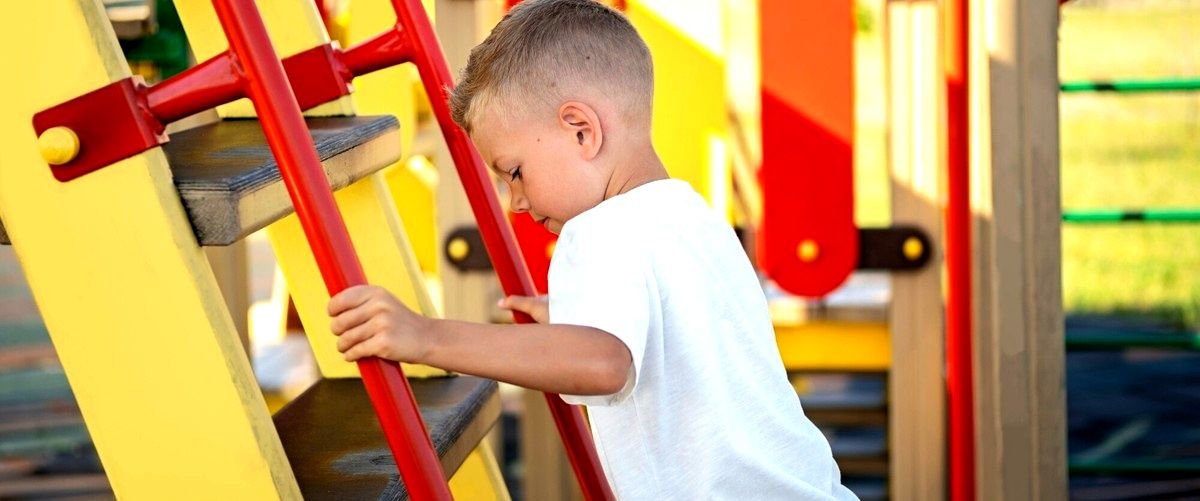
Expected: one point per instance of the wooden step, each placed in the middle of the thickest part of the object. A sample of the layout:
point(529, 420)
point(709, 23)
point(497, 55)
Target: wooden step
point(337, 449)
point(230, 184)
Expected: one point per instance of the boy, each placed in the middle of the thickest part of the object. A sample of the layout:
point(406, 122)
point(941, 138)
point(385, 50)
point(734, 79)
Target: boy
point(655, 319)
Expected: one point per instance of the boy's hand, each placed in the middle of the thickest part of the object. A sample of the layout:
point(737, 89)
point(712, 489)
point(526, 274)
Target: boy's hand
point(370, 322)
point(537, 307)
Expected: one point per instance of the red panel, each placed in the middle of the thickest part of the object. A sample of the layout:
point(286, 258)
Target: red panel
point(807, 173)
point(536, 244)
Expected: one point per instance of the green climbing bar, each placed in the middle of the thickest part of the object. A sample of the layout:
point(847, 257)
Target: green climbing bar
point(1147, 85)
point(1086, 216)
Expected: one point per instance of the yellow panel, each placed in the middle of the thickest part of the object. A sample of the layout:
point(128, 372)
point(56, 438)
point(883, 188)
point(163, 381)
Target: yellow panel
point(389, 91)
point(130, 302)
point(834, 346)
point(691, 126)
point(386, 256)
point(414, 186)
point(395, 91)
point(479, 477)
point(293, 25)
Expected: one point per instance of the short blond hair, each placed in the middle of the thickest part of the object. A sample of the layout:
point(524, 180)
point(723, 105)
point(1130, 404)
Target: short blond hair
point(545, 52)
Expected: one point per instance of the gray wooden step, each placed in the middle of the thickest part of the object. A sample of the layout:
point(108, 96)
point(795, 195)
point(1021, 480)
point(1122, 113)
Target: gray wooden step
point(337, 449)
point(230, 184)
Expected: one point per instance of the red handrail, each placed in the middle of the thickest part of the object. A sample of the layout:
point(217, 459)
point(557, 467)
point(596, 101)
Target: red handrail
point(290, 142)
point(496, 232)
point(959, 381)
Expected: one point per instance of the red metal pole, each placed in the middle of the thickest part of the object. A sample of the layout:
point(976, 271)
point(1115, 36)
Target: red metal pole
point(268, 88)
point(959, 380)
point(496, 232)
point(211, 83)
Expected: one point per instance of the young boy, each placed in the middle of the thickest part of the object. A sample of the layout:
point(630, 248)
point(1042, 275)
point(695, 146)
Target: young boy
point(655, 318)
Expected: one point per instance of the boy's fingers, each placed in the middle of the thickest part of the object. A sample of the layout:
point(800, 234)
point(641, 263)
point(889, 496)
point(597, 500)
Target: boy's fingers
point(351, 297)
point(524, 304)
point(349, 319)
point(360, 350)
point(353, 337)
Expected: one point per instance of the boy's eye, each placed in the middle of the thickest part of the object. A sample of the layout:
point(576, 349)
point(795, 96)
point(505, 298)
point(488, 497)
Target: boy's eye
point(516, 173)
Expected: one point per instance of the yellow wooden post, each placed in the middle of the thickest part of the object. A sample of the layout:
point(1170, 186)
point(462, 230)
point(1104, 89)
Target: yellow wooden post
point(396, 91)
point(127, 296)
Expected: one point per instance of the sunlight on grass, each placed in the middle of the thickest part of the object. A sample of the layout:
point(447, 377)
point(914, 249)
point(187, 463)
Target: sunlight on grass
point(1131, 151)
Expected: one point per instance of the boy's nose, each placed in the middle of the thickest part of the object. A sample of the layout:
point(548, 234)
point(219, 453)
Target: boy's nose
point(518, 203)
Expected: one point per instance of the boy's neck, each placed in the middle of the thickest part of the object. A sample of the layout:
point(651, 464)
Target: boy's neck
point(633, 170)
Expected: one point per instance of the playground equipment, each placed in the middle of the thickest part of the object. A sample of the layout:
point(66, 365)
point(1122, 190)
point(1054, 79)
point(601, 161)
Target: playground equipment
point(134, 230)
point(78, 152)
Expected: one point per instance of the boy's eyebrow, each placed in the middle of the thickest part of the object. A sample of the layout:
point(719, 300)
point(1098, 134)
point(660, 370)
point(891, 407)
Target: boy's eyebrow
point(494, 166)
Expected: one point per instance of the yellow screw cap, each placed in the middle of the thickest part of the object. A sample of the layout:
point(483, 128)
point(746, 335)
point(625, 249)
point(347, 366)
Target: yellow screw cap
point(458, 249)
point(808, 251)
point(550, 248)
point(913, 248)
point(58, 145)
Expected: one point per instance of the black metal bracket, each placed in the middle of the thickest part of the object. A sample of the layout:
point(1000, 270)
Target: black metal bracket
point(465, 251)
point(898, 248)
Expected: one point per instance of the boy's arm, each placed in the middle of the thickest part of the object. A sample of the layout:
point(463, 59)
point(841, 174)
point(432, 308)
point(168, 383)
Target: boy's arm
point(554, 358)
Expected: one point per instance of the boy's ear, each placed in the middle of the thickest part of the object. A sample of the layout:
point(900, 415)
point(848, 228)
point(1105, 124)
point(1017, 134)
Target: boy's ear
point(582, 122)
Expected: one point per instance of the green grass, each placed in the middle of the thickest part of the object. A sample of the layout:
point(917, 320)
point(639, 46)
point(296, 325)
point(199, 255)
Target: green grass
point(1131, 151)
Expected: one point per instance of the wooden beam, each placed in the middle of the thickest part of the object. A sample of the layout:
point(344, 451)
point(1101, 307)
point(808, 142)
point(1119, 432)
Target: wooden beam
point(1019, 346)
point(916, 431)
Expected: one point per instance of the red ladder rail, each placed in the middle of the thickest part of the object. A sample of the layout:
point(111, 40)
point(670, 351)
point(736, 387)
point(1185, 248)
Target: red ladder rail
point(268, 88)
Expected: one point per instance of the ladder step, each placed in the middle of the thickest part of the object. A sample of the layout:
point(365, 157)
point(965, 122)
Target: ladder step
point(337, 449)
point(230, 184)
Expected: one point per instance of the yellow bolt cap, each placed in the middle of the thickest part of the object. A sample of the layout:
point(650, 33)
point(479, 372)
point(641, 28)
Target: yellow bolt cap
point(58, 145)
point(458, 249)
point(808, 251)
point(913, 248)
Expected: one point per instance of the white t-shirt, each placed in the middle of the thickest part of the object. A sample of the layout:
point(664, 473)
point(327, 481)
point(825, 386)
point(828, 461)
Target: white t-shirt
point(707, 411)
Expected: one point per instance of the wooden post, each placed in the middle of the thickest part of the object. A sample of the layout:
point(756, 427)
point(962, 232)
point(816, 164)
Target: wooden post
point(916, 428)
point(1019, 380)
point(465, 24)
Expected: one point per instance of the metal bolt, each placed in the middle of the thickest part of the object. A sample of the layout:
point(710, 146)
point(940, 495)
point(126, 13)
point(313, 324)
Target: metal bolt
point(458, 248)
point(58, 145)
point(913, 248)
point(808, 250)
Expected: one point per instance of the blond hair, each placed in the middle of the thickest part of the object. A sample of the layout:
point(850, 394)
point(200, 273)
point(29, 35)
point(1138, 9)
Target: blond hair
point(545, 52)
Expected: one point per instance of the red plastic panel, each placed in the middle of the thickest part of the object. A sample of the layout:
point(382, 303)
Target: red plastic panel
point(807, 241)
point(536, 245)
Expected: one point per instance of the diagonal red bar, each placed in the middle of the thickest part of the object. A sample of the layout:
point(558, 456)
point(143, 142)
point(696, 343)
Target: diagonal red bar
point(495, 229)
point(288, 137)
